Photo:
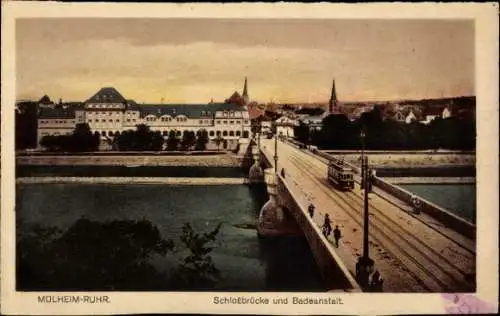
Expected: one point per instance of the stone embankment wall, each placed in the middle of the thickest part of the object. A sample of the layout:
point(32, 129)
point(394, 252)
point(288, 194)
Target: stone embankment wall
point(451, 220)
point(222, 160)
point(410, 159)
point(334, 272)
point(427, 171)
point(134, 180)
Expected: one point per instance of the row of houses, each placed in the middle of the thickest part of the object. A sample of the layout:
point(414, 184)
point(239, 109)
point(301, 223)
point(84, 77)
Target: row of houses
point(109, 114)
point(406, 114)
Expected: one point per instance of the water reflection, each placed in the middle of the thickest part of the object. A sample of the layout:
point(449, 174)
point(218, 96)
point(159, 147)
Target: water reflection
point(246, 262)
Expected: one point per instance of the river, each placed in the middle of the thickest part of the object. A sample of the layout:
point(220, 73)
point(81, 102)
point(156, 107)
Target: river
point(457, 198)
point(246, 262)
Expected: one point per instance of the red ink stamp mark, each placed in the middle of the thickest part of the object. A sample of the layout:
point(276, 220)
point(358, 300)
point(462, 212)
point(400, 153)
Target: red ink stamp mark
point(461, 303)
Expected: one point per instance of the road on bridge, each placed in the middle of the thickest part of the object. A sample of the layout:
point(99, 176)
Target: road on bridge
point(411, 255)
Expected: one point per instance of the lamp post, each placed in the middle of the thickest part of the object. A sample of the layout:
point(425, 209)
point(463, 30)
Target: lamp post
point(362, 135)
point(310, 136)
point(365, 265)
point(276, 152)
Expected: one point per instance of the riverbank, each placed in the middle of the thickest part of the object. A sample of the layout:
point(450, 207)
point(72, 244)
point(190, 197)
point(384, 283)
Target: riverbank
point(413, 159)
point(431, 180)
point(133, 180)
point(220, 160)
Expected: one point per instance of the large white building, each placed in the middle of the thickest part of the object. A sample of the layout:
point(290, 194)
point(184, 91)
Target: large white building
point(109, 114)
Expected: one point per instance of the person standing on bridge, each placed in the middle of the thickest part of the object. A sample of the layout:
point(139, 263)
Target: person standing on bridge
point(327, 226)
point(416, 204)
point(311, 210)
point(336, 235)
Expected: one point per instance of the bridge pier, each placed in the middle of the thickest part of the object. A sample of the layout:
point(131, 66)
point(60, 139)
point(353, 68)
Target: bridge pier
point(274, 218)
point(256, 173)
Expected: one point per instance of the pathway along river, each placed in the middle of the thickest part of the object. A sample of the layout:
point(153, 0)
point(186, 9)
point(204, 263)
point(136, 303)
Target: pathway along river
point(246, 262)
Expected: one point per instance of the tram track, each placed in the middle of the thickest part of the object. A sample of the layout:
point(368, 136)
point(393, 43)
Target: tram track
point(468, 248)
point(468, 251)
point(413, 254)
point(451, 270)
point(437, 284)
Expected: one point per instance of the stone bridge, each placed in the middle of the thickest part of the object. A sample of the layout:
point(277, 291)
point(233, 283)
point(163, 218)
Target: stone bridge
point(286, 214)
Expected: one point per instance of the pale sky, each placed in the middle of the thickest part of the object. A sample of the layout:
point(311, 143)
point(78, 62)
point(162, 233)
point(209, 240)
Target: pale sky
point(285, 60)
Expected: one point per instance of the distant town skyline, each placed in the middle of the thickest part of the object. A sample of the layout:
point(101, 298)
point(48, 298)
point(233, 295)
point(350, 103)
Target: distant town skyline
point(285, 60)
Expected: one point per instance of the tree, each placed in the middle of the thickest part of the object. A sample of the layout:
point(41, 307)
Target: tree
point(335, 132)
point(197, 270)
point(140, 140)
point(202, 140)
point(143, 137)
point(112, 255)
point(83, 139)
point(301, 132)
point(126, 141)
point(91, 255)
point(157, 141)
point(26, 124)
point(188, 140)
point(172, 141)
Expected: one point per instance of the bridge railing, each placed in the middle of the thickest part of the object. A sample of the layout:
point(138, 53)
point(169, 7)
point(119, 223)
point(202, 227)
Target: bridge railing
point(324, 247)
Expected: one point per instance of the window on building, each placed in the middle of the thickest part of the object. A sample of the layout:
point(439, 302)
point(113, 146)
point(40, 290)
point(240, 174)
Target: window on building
point(211, 133)
point(165, 133)
point(231, 122)
point(231, 133)
point(178, 133)
point(110, 133)
point(218, 121)
point(225, 122)
point(246, 121)
point(117, 120)
point(128, 120)
point(110, 121)
point(245, 134)
point(217, 133)
point(103, 133)
point(238, 133)
point(201, 121)
point(224, 133)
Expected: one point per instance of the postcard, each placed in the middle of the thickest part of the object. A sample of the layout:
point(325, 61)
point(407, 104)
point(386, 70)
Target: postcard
point(298, 159)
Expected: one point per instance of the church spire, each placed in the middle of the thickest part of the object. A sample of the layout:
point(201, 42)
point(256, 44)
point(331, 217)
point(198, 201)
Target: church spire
point(245, 97)
point(333, 99)
point(245, 90)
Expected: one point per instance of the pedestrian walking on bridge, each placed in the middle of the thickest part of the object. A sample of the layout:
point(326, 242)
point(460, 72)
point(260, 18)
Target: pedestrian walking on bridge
point(327, 226)
point(336, 235)
point(311, 210)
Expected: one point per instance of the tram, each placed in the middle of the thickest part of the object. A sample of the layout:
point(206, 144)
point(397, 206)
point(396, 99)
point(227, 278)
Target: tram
point(341, 174)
